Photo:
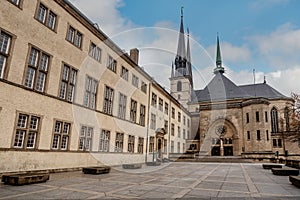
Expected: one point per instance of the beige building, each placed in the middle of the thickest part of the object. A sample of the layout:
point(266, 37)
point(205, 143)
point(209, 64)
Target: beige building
point(70, 97)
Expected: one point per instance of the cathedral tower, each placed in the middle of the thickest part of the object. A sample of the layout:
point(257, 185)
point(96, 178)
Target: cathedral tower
point(181, 75)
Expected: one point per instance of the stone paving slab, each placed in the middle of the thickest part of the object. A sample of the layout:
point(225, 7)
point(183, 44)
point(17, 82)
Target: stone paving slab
point(168, 181)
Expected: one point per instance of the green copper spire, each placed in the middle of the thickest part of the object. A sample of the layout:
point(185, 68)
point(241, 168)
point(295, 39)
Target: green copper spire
point(218, 59)
point(219, 68)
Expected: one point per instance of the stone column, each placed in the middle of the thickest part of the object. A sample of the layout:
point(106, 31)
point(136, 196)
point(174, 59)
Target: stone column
point(221, 147)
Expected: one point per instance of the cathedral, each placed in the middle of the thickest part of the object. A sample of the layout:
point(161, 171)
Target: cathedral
point(228, 119)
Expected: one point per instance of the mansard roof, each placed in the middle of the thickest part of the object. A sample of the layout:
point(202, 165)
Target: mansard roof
point(220, 88)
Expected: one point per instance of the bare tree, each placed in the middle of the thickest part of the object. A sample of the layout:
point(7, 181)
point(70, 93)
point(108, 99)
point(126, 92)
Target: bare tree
point(293, 129)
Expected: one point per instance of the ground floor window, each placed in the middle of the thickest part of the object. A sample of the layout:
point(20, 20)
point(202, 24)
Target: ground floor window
point(277, 143)
point(61, 135)
point(104, 140)
point(151, 144)
point(141, 145)
point(131, 143)
point(26, 131)
point(85, 139)
point(119, 142)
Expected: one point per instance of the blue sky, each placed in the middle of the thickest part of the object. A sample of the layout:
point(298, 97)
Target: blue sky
point(260, 34)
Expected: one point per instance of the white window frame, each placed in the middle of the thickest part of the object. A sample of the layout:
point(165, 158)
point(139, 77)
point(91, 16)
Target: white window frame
point(5, 44)
point(104, 140)
point(122, 105)
point(26, 126)
point(108, 100)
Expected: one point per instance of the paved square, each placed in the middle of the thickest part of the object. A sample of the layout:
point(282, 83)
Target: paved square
point(170, 180)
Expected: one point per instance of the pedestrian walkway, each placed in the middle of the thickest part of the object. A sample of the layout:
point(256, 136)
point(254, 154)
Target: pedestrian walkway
point(169, 180)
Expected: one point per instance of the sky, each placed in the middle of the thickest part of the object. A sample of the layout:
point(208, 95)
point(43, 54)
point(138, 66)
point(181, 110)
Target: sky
point(261, 36)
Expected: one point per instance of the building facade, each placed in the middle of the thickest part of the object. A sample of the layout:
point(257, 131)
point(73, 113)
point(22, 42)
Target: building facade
point(251, 121)
point(70, 97)
point(246, 120)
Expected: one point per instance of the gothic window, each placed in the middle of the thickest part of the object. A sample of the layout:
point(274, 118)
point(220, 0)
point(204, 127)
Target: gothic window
point(179, 86)
point(274, 120)
point(287, 120)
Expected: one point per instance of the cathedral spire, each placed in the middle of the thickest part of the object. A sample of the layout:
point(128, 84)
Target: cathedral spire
point(219, 68)
point(188, 57)
point(181, 42)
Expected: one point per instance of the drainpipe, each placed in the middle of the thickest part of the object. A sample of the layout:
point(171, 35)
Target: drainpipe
point(147, 140)
point(169, 131)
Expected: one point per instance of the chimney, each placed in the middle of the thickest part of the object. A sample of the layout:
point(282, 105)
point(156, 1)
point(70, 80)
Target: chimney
point(134, 55)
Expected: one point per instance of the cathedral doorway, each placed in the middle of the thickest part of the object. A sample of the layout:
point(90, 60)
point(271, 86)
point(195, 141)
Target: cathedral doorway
point(160, 133)
point(215, 151)
point(159, 147)
point(228, 151)
point(223, 138)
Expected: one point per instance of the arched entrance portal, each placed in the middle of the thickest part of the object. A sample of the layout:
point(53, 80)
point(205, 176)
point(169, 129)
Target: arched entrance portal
point(159, 147)
point(160, 132)
point(224, 138)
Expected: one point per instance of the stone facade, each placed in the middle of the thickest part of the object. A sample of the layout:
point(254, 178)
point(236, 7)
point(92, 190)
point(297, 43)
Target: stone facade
point(72, 98)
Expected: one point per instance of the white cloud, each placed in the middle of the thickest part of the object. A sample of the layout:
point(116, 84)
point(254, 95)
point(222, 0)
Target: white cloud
point(105, 13)
point(158, 45)
point(279, 47)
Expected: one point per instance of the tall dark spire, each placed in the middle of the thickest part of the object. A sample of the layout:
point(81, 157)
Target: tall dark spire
point(181, 41)
point(219, 68)
point(180, 60)
point(188, 57)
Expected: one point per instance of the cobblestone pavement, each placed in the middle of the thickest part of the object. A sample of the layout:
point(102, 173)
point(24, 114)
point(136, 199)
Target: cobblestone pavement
point(170, 180)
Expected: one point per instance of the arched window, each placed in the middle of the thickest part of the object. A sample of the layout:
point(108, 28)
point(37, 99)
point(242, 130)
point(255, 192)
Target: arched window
point(287, 118)
point(179, 86)
point(274, 120)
